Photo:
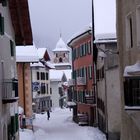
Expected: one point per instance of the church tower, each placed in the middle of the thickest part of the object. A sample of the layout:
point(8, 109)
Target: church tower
point(61, 55)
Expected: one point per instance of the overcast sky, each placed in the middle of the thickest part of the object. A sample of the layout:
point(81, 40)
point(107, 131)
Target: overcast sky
point(49, 18)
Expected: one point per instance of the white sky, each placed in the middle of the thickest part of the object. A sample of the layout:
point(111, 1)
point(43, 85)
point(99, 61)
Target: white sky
point(60, 127)
point(49, 18)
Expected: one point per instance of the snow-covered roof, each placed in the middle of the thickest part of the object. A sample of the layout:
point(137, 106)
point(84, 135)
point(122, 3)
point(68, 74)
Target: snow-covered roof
point(39, 64)
point(26, 54)
point(41, 52)
point(60, 46)
point(132, 70)
point(83, 31)
point(50, 65)
point(105, 38)
point(56, 75)
point(61, 64)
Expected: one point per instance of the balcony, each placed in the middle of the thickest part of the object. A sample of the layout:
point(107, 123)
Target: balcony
point(90, 99)
point(71, 82)
point(9, 91)
point(81, 81)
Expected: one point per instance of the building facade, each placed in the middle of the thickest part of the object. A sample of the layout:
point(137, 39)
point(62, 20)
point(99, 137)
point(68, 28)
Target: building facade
point(108, 86)
point(61, 73)
point(61, 58)
point(10, 36)
point(24, 56)
point(128, 34)
point(82, 76)
point(41, 82)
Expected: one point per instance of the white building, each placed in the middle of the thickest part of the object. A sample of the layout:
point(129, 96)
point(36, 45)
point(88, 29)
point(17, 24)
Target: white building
point(56, 81)
point(61, 55)
point(41, 82)
point(108, 85)
point(61, 73)
point(12, 32)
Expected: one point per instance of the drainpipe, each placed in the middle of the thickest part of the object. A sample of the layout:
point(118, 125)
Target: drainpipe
point(94, 48)
point(106, 111)
point(23, 74)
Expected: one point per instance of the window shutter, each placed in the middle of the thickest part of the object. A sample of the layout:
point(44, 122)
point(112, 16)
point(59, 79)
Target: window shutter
point(12, 48)
point(1, 25)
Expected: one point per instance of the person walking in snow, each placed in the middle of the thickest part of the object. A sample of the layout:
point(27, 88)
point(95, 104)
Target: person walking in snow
point(48, 114)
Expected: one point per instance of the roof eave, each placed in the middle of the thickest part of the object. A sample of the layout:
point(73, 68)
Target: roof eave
point(77, 37)
point(20, 17)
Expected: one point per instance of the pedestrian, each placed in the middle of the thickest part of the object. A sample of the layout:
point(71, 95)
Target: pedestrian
point(48, 114)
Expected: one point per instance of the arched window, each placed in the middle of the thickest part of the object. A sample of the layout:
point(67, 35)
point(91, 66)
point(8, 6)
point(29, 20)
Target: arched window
point(60, 59)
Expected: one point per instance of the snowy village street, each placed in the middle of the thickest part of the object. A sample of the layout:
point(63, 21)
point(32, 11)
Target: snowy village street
point(60, 127)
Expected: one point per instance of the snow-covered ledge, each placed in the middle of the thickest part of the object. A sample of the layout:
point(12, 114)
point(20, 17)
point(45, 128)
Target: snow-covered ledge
point(132, 107)
point(132, 70)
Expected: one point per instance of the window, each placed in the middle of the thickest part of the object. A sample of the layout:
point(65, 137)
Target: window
point(138, 25)
point(12, 48)
point(132, 91)
point(1, 25)
point(129, 31)
point(42, 76)
point(60, 60)
point(90, 72)
point(37, 75)
point(43, 89)
point(47, 88)
point(84, 49)
point(100, 73)
point(74, 54)
point(50, 90)
point(46, 76)
point(89, 47)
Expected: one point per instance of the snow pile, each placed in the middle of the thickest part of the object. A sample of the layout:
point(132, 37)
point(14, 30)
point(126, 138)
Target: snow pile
point(61, 127)
point(26, 134)
point(26, 54)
